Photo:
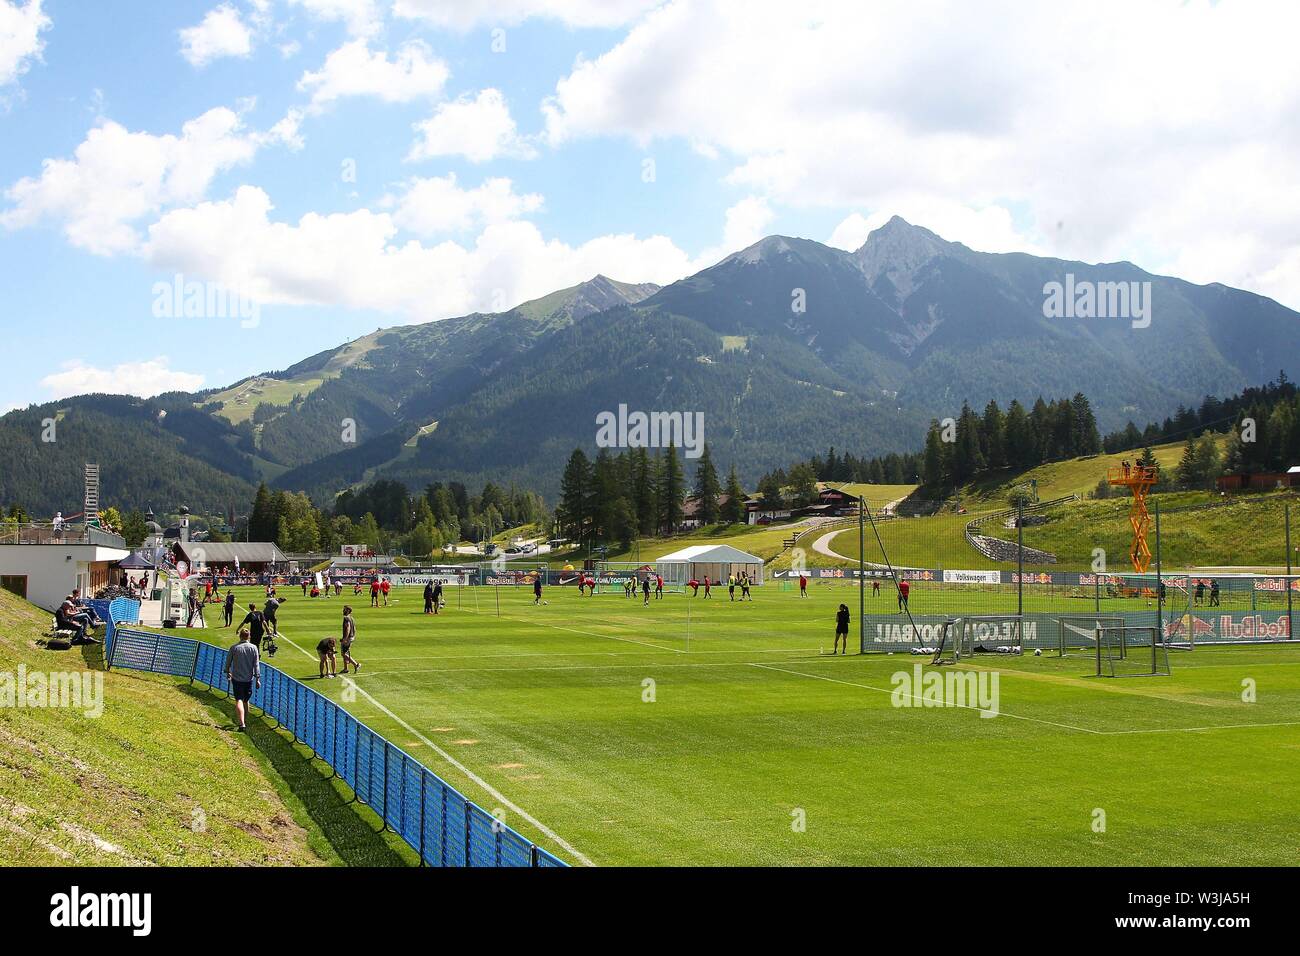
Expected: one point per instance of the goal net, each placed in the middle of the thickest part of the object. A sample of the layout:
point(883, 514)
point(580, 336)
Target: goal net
point(613, 577)
point(991, 634)
point(947, 649)
point(1131, 652)
point(1076, 634)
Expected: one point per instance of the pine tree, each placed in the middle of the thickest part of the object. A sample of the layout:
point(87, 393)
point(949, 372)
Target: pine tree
point(993, 438)
point(575, 496)
point(644, 500)
point(671, 489)
point(707, 488)
point(733, 511)
point(1086, 437)
point(1021, 447)
point(934, 471)
point(262, 522)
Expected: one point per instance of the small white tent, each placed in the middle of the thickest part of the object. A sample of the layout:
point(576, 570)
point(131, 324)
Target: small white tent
point(717, 561)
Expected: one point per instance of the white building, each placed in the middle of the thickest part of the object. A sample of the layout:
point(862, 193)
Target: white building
point(44, 568)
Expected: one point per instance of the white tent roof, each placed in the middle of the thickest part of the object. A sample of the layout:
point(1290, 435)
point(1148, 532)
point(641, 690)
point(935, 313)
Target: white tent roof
point(712, 554)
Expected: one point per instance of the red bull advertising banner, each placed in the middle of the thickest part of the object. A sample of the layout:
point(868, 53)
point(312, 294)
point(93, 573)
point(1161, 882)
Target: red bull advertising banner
point(1235, 627)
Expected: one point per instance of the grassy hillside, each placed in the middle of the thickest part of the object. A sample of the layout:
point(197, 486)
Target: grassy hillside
point(1075, 476)
point(158, 778)
point(1247, 530)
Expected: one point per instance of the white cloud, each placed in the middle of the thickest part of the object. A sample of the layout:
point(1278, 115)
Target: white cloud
point(221, 33)
point(466, 14)
point(145, 379)
point(361, 17)
point(353, 70)
point(480, 129)
point(988, 230)
point(1154, 140)
point(355, 260)
point(117, 177)
point(438, 205)
point(20, 40)
point(744, 224)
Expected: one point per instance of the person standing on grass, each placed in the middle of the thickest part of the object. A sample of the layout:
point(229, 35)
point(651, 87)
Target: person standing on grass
point(803, 585)
point(437, 596)
point(326, 651)
point(659, 586)
point(374, 591)
point(268, 612)
point(1214, 593)
point(744, 586)
point(228, 609)
point(875, 588)
point(645, 590)
point(244, 671)
point(256, 622)
point(1200, 592)
point(428, 597)
point(731, 585)
point(707, 586)
point(537, 589)
point(345, 642)
point(841, 628)
point(904, 589)
point(385, 587)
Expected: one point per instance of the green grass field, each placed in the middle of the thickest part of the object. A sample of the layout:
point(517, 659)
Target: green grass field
point(701, 732)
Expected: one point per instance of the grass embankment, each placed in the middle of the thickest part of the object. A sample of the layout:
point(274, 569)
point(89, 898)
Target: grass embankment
point(159, 777)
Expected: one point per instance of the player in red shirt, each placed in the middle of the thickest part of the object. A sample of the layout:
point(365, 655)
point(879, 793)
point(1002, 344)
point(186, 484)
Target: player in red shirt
point(803, 585)
point(903, 589)
point(385, 587)
point(374, 592)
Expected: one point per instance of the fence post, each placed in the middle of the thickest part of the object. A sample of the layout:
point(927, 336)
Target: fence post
point(532, 855)
point(424, 780)
point(469, 817)
point(1160, 583)
point(862, 587)
point(1290, 624)
point(1020, 560)
point(383, 817)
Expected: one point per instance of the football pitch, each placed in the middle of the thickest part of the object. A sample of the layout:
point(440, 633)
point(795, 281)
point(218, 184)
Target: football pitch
point(707, 732)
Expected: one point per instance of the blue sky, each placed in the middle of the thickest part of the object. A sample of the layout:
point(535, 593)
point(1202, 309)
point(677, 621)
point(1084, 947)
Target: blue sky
point(502, 150)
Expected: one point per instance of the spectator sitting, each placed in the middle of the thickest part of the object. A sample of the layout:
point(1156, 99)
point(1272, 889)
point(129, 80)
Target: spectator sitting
point(84, 608)
point(67, 618)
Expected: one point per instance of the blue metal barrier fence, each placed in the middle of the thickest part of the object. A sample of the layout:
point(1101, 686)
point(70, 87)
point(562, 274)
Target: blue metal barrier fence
point(445, 827)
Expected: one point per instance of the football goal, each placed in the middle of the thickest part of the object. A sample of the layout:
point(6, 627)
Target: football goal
point(1076, 635)
point(948, 648)
point(1131, 652)
point(611, 577)
point(991, 634)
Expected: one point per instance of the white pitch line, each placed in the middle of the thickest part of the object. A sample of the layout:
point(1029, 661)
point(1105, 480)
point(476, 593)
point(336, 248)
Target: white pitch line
point(483, 657)
point(487, 787)
point(1188, 730)
point(890, 691)
point(566, 667)
point(607, 637)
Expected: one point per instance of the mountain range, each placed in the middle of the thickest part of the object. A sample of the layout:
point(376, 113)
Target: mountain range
point(787, 347)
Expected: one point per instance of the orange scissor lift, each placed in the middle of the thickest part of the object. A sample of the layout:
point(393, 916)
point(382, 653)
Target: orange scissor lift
point(1138, 479)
